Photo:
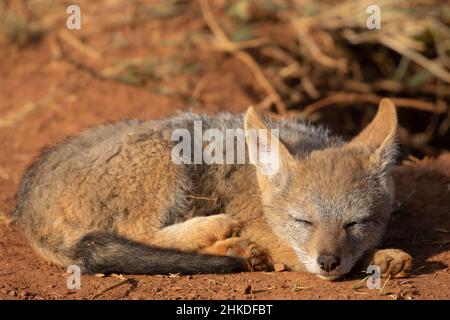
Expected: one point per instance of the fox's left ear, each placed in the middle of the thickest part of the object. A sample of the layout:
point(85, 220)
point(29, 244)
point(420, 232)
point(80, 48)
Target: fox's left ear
point(380, 135)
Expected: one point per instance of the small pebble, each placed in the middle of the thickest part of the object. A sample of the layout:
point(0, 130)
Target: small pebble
point(248, 289)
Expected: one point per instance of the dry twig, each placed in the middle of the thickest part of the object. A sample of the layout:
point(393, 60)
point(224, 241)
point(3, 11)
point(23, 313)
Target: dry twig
point(231, 47)
point(347, 98)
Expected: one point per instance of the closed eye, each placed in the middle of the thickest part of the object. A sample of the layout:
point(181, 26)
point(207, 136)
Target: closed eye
point(306, 222)
point(351, 224)
point(355, 223)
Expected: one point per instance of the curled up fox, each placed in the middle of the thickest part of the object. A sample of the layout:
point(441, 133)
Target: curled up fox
point(113, 200)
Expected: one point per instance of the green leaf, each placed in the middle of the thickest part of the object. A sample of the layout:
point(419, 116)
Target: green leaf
point(240, 10)
point(242, 34)
point(419, 79)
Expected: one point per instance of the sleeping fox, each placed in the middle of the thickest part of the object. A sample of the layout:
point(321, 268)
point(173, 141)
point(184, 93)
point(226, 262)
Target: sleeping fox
point(113, 200)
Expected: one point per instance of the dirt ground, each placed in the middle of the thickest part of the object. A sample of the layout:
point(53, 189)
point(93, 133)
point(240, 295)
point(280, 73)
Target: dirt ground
point(45, 96)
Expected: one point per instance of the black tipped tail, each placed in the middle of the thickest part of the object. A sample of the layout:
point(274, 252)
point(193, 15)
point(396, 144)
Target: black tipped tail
point(103, 252)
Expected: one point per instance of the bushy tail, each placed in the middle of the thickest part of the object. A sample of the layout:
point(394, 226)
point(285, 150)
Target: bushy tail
point(104, 252)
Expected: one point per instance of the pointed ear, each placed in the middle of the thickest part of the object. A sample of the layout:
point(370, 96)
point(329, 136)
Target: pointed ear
point(266, 151)
point(380, 135)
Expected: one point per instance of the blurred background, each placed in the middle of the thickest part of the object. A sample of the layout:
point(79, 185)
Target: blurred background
point(313, 60)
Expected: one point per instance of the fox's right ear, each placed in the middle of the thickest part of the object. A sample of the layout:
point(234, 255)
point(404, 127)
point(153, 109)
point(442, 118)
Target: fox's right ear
point(380, 135)
point(266, 152)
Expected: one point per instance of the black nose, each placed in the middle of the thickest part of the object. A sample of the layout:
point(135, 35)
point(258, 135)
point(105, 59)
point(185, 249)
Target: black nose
point(328, 262)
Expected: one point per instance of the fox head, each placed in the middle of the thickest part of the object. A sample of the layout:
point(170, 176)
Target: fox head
point(333, 205)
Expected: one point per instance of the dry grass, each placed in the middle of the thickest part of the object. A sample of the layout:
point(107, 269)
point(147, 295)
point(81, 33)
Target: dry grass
point(326, 56)
point(4, 219)
point(304, 56)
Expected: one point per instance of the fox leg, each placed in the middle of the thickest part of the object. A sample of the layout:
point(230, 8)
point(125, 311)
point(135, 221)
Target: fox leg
point(392, 262)
point(194, 234)
point(213, 235)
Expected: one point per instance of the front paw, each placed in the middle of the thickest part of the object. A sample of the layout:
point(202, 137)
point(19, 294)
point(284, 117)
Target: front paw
point(254, 257)
point(393, 262)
